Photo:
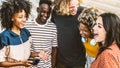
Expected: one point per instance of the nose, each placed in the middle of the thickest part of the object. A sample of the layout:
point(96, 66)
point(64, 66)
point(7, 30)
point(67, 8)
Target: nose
point(94, 28)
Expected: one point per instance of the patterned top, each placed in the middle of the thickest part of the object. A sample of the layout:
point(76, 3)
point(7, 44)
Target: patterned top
point(109, 58)
point(43, 37)
point(18, 47)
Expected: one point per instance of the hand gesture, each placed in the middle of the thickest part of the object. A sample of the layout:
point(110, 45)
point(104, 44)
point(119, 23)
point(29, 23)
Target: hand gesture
point(44, 55)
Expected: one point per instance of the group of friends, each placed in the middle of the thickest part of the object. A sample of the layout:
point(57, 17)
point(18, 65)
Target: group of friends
point(63, 35)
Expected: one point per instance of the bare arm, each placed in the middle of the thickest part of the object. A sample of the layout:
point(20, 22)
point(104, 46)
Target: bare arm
point(54, 54)
point(11, 64)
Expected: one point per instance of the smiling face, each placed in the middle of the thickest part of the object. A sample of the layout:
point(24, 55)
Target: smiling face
point(19, 19)
point(99, 31)
point(73, 7)
point(43, 13)
point(84, 31)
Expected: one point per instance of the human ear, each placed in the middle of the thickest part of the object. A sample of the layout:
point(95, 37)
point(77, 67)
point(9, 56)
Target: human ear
point(12, 19)
point(38, 9)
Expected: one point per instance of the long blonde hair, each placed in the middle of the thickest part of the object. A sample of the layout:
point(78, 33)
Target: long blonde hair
point(62, 6)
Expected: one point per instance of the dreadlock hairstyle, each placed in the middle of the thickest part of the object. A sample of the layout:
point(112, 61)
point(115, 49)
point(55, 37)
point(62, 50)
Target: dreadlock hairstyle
point(88, 17)
point(9, 8)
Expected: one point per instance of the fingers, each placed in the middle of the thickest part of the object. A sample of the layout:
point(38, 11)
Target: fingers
point(26, 63)
point(44, 55)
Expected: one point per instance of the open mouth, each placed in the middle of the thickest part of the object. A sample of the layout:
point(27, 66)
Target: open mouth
point(44, 18)
point(22, 23)
point(95, 35)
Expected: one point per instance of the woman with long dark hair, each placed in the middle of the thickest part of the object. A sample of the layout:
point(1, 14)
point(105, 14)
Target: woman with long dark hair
point(107, 34)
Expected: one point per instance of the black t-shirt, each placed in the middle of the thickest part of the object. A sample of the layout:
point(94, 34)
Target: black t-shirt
point(71, 51)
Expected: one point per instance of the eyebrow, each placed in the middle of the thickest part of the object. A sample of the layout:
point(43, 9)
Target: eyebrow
point(100, 24)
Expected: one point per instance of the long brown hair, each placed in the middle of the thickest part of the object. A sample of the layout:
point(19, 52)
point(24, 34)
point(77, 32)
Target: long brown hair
point(111, 24)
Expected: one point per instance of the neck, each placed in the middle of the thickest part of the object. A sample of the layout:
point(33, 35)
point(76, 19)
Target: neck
point(16, 30)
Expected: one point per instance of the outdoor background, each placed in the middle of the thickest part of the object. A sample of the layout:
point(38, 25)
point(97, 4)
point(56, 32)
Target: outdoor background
point(104, 5)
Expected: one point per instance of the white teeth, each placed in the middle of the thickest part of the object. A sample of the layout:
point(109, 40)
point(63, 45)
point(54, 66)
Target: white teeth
point(44, 18)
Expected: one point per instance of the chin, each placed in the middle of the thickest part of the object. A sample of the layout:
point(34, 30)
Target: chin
point(97, 40)
point(73, 14)
point(21, 26)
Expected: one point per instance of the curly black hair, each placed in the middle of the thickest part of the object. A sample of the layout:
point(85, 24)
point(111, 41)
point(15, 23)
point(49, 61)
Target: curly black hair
point(10, 7)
